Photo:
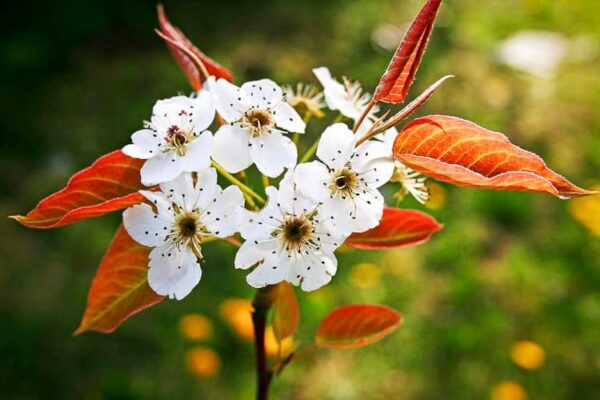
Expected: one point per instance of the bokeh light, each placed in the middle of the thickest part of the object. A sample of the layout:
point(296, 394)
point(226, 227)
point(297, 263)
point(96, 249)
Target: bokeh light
point(195, 327)
point(528, 354)
point(586, 211)
point(203, 362)
point(237, 314)
point(508, 391)
point(365, 275)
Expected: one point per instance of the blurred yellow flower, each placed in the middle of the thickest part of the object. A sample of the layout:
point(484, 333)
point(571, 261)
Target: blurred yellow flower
point(272, 347)
point(237, 313)
point(437, 196)
point(508, 391)
point(586, 211)
point(203, 362)
point(527, 354)
point(365, 276)
point(195, 327)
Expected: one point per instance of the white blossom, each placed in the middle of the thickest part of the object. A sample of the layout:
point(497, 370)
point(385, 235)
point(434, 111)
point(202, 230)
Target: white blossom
point(306, 98)
point(182, 215)
point(348, 98)
point(347, 179)
point(257, 118)
point(288, 241)
point(175, 140)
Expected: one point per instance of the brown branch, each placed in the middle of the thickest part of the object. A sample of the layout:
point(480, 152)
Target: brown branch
point(262, 303)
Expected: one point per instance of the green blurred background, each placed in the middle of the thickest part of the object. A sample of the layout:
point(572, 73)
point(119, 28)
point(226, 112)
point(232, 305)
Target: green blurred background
point(79, 77)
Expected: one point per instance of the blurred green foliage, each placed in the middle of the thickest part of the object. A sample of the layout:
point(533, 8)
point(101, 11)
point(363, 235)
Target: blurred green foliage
point(79, 77)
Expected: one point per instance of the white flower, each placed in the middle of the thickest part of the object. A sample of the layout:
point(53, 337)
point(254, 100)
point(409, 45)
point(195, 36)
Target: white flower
point(306, 98)
point(175, 139)
point(185, 212)
point(257, 116)
point(287, 240)
point(410, 180)
point(347, 179)
point(349, 98)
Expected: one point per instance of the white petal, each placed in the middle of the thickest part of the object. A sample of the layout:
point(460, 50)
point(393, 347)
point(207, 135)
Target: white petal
point(368, 211)
point(162, 168)
point(271, 271)
point(272, 152)
point(251, 252)
point(317, 271)
point(373, 162)
point(172, 111)
point(291, 200)
point(173, 272)
point(261, 224)
point(263, 93)
point(197, 156)
point(230, 148)
point(230, 102)
point(287, 118)
point(144, 226)
point(206, 186)
point(338, 215)
point(181, 191)
point(223, 217)
point(335, 94)
point(336, 146)
point(145, 144)
point(388, 137)
point(203, 111)
point(161, 202)
point(312, 180)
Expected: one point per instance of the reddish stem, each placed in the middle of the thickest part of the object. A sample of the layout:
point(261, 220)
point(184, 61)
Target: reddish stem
point(364, 115)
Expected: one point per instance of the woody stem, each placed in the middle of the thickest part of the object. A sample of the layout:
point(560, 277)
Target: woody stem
point(262, 303)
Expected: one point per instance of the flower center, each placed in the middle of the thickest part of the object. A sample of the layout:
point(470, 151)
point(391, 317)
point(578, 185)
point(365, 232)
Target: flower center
point(259, 121)
point(188, 230)
point(297, 232)
point(344, 182)
point(177, 139)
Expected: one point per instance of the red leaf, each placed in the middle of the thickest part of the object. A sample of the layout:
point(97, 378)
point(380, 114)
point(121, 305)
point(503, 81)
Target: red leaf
point(356, 325)
point(194, 75)
point(460, 152)
point(397, 228)
point(110, 183)
point(120, 288)
point(395, 82)
point(286, 314)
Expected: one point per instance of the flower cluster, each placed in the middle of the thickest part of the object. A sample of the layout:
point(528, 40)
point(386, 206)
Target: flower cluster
point(315, 207)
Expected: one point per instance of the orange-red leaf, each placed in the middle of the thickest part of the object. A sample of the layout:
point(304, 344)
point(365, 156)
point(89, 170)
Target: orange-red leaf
point(400, 74)
point(286, 314)
point(460, 152)
point(120, 288)
point(194, 75)
point(397, 228)
point(356, 325)
point(110, 183)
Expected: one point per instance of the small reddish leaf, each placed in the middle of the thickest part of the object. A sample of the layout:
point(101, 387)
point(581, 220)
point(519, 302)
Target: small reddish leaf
point(400, 73)
point(110, 183)
point(356, 325)
point(397, 228)
point(120, 287)
point(194, 75)
point(460, 152)
point(286, 314)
